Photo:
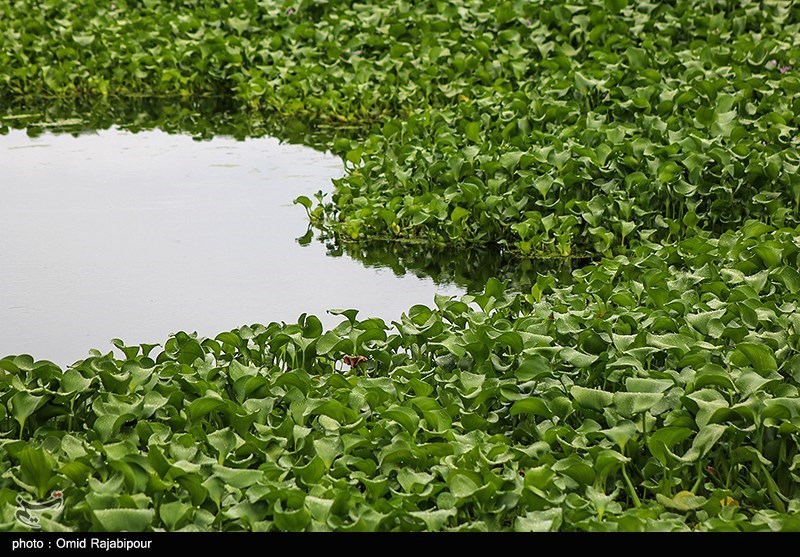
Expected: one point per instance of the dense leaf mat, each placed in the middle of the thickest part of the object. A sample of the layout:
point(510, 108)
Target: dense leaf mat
point(658, 391)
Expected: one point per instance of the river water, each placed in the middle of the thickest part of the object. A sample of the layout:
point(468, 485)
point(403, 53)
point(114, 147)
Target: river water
point(112, 234)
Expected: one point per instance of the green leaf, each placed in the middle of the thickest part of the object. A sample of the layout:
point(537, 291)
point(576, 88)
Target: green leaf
point(124, 520)
point(83, 40)
point(231, 338)
point(248, 514)
point(410, 480)
point(205, 405)
point(712, 374)
point(646, 385)
point(223, 441)
point(328, 448)
point(621, 433)
point(239, 478)
point(760, 356)
point(72, 381)
point(724, 123)
point(311, 472)
point(292, 520)
point(615, 5)
point(304, 201)
point(437, 420)
point(790, 278)
point(750, 382)
point(683, 501)
point(510, 160)
point(630, 404)
point(331, 342)
point(532, 368)
point(23, 405)
point(704, 442)
point(473, 131)
point(458, 214)
point(174, 514)
point(576, 358)
point(451, 343)
point(535, 406)
point(661, 442)
point(591, 398)
point(549, 520)
point(434, 519)
point(354, 155)
point(76, 471)
point(36, 468)
point(750, 454)
point(576, 468)
point(462, 486)
point(512, 341)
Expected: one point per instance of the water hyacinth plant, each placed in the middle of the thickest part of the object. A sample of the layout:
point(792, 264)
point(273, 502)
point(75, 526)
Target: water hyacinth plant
point(653, 146)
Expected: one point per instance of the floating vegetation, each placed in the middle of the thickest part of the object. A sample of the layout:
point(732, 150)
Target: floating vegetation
point(656, 389)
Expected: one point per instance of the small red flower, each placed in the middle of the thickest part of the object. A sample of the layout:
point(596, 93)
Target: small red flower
point(57, 494)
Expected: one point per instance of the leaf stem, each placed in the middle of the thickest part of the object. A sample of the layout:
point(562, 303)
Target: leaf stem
point(699, 480)
point(631, 491)
point(772, 489)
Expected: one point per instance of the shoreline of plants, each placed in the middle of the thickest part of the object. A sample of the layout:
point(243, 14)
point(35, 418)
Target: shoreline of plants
point(547, 128)
point(658, 390)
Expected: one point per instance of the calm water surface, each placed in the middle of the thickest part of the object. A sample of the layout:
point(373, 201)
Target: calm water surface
point(136, 236)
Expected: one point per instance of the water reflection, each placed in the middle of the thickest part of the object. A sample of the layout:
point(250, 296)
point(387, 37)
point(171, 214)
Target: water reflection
point(201, 118)
point(467, 268)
